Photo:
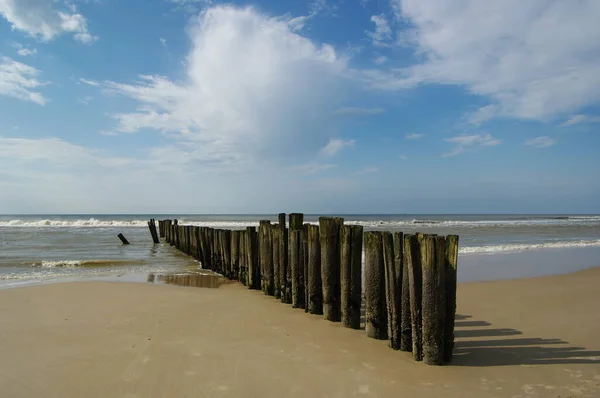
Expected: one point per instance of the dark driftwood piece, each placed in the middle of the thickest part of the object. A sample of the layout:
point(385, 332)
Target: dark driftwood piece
point(123, 239)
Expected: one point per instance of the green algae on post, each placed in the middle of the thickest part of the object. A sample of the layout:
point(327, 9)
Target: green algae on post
point(315, 288)
point(329, 229)
point(451, 276)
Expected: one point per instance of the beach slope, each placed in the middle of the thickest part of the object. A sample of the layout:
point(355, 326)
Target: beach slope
point(518, 338)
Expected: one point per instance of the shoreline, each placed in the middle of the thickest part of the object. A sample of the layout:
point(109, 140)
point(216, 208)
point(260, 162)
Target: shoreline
point(514, 338)
point(471, 268)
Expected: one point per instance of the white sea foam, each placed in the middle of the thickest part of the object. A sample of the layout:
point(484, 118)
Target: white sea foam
point(371, 224)
point(495, 249)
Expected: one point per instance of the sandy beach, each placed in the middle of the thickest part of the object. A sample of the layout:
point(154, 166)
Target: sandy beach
point(515, 338)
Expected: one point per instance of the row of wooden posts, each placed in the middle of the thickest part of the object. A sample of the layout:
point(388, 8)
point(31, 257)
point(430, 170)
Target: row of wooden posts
point(409, 280)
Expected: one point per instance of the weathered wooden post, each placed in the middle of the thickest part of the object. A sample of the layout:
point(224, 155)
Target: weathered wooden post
point(451, 276)
point(304, 265)
point(413, 262)
point(351, 242)
point(235, 254)
point(296, 264)
point(123, 239)
point(402, 274)
point(376, 314)
point(296, 221)
point(315, 288)
point(161, 228)
point(329, 231)
point(283, 261)
point(216, 251)
point(433, 261)
point(242, 258)
point(252, 253)
point(393, 285)
point(266, 257)
point(227, 252)
point(275, 234)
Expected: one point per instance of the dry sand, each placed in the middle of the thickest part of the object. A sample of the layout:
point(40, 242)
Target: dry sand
point(522, 338)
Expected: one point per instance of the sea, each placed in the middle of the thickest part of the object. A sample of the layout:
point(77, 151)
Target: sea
point(38, 249)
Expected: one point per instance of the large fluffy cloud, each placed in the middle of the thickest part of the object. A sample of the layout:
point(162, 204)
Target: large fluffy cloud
point(535, 59)
point(254, 89)
point(41, 19)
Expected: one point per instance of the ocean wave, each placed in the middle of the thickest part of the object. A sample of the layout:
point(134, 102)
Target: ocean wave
point(495, 249)
point(83, 263)
point(92, 222)
point(552, 221)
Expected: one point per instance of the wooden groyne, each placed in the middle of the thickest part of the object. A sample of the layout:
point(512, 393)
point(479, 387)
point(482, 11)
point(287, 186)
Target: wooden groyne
point(409, 279)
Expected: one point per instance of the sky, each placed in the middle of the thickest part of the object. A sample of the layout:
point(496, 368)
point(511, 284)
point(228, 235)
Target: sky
point(314, 106)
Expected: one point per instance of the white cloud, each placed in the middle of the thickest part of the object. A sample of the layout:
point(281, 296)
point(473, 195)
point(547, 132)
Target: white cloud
point(18, 80)
point(465, 143)
point(581, 119)
point(414, 136)
point(85, 100)
point(22, 50)
point(312, 167)
point(356, 111)
point(540, 142)
point(334, 146)
point(403, 157)
point(382, 35)
point(367, 170)
point(163, 41)
point(40, 19)
point(380, 60)
point(535, 59)
point(254, 89)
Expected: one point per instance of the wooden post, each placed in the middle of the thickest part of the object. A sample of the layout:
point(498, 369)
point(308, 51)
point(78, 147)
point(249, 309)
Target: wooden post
point(351, 242)
point(252, 253)
point(304, 264)
point(451, 276)
point(393, 285)
point(433, 261)
point(376, 315)
point(329, 230)
point(413, 262)
point(283, 259)
point(123, 239)
point(215, 250)
point(402, 269)
point(161, 228)
point(315, 288)
point(235, 254)
point(275, 240)
point(295, 262)
point(296, 221)
point(227, 252)
point(242, 258)
point(266, 257)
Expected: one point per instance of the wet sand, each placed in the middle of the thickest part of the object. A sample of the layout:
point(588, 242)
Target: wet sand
point(516, 338)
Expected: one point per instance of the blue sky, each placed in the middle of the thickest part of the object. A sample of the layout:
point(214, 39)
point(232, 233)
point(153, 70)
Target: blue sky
point(326, 106)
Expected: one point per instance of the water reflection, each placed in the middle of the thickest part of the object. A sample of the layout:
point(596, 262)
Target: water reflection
point(209, 280)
